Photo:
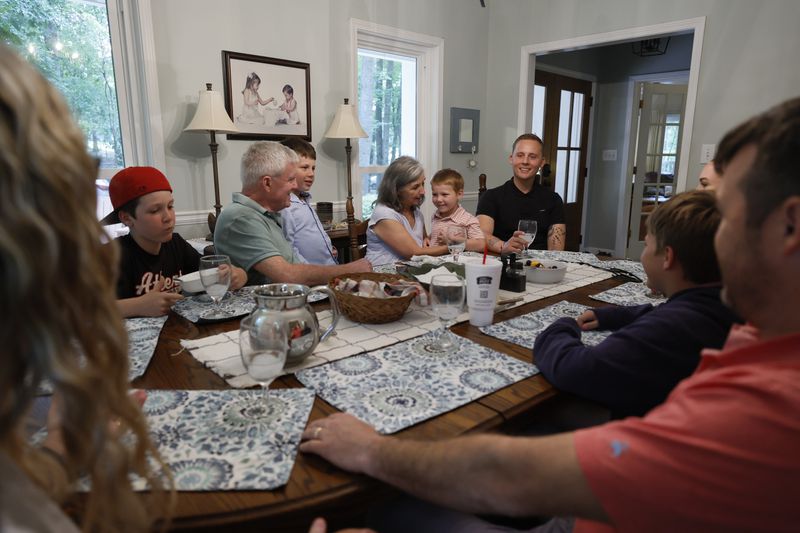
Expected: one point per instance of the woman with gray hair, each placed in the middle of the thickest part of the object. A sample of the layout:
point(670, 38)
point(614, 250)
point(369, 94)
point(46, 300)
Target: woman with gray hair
point(396, 229)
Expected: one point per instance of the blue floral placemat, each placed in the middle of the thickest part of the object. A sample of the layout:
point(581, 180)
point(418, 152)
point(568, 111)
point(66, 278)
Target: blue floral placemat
point(398, 386)
point(629, 294)
point(234, 304)
point(227, 439)
point(143, 336)
point(223, 439)
point(523, 329)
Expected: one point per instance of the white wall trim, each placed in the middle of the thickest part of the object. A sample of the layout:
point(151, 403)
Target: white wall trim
point(528, 68)
point(190, 218)
point(566, 72)
point(133, 52)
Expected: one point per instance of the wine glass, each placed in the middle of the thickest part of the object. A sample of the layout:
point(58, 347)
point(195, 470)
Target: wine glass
point(447, 299)
point(528, 228)
point(263, 345)
point(456, 238)
point(215, 275)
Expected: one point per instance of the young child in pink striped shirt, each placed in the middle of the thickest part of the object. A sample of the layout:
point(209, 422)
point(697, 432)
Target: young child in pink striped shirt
point(448, 190)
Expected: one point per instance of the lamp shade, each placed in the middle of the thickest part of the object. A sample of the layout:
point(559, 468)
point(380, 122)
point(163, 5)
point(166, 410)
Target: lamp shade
point(211, 114)
point(345, 123)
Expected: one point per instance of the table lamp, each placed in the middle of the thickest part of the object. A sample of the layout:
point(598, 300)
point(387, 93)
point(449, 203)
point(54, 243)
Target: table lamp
point(212, 117)
point(345, 125)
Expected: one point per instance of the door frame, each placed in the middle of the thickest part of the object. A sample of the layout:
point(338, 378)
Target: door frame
point(629, 150)
point(528, 69)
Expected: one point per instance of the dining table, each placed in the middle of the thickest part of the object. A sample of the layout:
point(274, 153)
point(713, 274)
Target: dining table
point(315, 487)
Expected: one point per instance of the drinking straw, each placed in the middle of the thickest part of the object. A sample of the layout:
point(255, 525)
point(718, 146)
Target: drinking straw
point(485, 251)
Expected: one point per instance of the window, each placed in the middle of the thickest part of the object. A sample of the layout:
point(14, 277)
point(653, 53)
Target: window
point(387, 108)
point(537, 118)
point(397, 82)
point(672, 130)
point(79, 45)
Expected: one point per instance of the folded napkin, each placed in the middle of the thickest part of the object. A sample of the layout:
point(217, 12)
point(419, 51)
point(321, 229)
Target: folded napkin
point(428, 276)
point(428, 259)
point(382, 289)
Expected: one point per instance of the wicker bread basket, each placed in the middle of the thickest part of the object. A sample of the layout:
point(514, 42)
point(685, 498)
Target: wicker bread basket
point(371, 310)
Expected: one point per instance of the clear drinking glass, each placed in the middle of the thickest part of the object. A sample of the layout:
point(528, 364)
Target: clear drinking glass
point(456, 238)
point(215, 275)
point(263, 345)
point(528, 228)
point(448, 292)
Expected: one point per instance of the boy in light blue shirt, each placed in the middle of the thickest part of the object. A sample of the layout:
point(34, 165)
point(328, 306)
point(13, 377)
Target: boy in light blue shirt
point(301, 225)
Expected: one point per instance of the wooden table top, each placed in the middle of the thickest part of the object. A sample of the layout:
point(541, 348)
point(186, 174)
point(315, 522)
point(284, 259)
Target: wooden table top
point(316, 488)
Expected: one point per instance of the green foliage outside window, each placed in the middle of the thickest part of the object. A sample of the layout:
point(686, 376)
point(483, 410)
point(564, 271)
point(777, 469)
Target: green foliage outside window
point(380, 109)
point(69, 42)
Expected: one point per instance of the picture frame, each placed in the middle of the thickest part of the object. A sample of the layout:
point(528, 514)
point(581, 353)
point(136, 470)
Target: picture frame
point(257, 98)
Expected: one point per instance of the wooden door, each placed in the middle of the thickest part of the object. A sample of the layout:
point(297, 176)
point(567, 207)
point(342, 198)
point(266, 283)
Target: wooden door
point(567, 103)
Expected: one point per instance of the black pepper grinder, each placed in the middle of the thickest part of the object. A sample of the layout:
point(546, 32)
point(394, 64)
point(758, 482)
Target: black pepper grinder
point(512, 277)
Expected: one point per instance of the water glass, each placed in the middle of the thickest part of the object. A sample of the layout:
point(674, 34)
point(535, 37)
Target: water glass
point(215, 275)
point(456, 238)
point(528, 228)
point(263, 345)
point(448, 292)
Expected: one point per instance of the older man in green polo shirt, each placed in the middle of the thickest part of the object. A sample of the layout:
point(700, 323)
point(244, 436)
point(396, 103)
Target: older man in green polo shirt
point(249, 229)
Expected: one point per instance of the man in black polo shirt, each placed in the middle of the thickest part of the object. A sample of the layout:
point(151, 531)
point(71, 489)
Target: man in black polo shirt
point(500, 209)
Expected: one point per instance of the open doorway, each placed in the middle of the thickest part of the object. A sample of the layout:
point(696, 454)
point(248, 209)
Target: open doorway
point(656, 131)
point(606, 214)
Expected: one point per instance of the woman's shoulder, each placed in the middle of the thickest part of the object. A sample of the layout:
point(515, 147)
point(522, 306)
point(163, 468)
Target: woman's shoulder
point(383, 211)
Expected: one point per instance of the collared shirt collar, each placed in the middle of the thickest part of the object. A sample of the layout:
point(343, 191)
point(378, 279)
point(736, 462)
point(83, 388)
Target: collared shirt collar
point(295, 198)
point(246, 201)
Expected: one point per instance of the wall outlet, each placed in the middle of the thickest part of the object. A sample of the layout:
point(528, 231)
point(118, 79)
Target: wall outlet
point(609, 155)
point(707, 153)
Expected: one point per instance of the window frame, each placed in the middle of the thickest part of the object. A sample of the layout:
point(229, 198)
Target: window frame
point(429, 53)
point(135, 74)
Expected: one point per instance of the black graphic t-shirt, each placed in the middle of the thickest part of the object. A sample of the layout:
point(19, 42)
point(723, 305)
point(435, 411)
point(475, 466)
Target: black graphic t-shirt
point(140, 271)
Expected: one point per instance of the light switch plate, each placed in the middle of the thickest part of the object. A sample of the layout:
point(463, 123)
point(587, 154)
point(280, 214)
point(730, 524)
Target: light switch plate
point(609, 155)
point(707, 153)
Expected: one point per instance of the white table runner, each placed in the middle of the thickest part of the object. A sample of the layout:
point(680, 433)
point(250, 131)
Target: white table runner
point(220, 353)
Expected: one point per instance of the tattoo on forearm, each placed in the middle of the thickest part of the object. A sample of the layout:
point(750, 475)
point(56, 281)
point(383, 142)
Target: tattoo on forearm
point(556, 237)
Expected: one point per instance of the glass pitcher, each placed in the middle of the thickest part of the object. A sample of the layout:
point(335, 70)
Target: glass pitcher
point(291, 300)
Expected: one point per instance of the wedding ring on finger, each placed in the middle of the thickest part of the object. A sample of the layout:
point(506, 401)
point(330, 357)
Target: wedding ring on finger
point(317, 430)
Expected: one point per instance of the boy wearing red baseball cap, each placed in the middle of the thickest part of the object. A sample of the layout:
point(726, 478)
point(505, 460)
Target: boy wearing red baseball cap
point(151, 255)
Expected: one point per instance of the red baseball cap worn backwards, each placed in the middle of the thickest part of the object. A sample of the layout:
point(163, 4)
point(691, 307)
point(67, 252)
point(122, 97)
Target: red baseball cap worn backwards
point(131, 183)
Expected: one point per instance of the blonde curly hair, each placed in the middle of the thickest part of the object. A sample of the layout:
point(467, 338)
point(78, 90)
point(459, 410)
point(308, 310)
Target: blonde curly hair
point(60, 320)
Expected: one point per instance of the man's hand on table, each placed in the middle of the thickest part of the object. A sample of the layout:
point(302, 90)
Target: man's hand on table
point(319, 526)
point(343, 440)
point(238, 277)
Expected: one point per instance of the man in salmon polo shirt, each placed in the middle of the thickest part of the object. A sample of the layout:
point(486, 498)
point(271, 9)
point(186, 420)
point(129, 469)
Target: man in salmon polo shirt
point(721, 454)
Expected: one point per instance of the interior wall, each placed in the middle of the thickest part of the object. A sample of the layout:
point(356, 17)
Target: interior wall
point(743, 71)
point(190, 35)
